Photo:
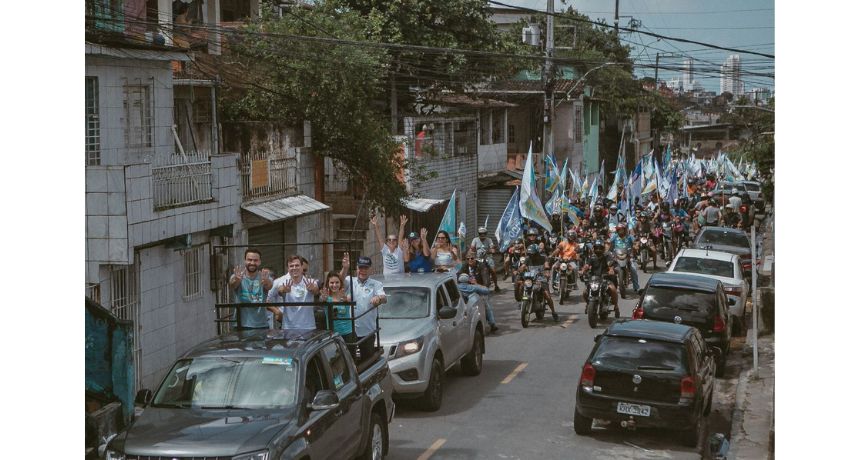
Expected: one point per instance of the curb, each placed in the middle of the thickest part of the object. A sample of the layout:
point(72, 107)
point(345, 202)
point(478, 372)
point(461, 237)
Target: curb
point(740, 406)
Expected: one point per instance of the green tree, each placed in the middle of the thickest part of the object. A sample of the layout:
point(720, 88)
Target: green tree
point(757, 144)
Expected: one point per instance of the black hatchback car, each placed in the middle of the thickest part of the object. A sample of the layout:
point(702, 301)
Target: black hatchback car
point(693, 300)
point(644, 373)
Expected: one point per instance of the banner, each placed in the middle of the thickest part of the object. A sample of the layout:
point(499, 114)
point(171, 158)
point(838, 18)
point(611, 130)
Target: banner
point(530, 205)
point(449, 220)
point(509, 227)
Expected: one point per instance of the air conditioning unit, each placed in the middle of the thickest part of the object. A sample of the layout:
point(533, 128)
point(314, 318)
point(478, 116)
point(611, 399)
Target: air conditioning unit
point(531, 35)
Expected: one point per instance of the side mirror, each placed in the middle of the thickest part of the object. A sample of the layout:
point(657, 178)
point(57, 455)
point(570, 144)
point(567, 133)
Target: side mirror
point(447, 312)
point(324, 400)
point(143, 397)
point(597, 337)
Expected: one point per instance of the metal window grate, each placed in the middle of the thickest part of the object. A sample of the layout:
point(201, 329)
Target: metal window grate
point(193, 272)
point(125, 304)
point(137, 103)
point(92, 141)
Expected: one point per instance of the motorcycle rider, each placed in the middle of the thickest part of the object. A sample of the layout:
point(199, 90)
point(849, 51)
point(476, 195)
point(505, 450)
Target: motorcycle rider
point(482, 241)
point(621, 240)
point(512, 257)
point(535, 258)
point(600, 264)
point(533, 237)
point(643, 227)
point(566, 250)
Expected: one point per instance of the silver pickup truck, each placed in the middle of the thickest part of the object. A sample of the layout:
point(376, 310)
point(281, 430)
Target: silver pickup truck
point(427, 327)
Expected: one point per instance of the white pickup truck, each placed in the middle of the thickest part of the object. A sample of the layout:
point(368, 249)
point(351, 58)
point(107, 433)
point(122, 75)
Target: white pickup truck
point(427, 327)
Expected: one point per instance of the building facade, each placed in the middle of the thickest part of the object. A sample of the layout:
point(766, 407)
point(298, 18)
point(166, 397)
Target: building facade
point(730, 76)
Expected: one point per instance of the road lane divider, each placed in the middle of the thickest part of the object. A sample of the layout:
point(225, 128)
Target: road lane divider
point(514, 373)
point(433, 448)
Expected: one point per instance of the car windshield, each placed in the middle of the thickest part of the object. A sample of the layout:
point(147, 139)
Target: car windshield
point(725, 238)
point(702, 266)
point(752, 187)
point(639, 354)
point(259, 382)
point(664, 301)
point(406, 303)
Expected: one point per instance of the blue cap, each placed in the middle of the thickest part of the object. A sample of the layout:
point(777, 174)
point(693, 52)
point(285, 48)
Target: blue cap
point(364, 261)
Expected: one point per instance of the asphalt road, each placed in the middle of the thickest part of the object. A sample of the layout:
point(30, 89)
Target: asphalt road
point(521, 406)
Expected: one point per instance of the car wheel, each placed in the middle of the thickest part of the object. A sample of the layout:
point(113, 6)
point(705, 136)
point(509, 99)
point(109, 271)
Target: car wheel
point(710, 401)
point(431, 401)
point(721, 366)
point(690, 438)
point(473, 362)
point(377, 439)
point(581, 423)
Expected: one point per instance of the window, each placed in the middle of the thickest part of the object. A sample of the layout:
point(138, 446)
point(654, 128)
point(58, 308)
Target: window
point(137, 104)
point(703, 266)
point(124, 303)
point(633, 353)
point(193, 272)
point(577, 122)
point(92, 143)
point(314, 379)
point(511, 134)
point(485, 128)
point(441, 299)
point(235, 10)
point(453, 292)
point(337, 364)
point(498, 121)
point(406, 303)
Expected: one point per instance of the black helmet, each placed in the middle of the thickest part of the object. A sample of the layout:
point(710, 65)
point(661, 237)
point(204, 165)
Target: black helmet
point(571, 234)
point(533, 249)
point(532, 231)
point(598, 244)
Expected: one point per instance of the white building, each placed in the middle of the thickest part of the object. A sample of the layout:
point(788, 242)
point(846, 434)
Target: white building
point(730, 76)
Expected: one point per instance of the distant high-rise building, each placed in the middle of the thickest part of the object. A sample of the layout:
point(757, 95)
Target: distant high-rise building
point(730, 76)
point(687, 75)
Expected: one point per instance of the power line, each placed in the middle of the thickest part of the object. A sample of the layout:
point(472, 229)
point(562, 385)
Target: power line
point(682, 40)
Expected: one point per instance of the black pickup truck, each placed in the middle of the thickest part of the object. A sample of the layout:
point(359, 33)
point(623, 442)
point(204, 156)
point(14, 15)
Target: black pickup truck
point(264, 395)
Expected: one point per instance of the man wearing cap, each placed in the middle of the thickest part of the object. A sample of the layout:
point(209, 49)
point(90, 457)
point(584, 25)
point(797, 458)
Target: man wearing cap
point(469, 285)
point(392, 247)
point(482, 241)
point(367, 294)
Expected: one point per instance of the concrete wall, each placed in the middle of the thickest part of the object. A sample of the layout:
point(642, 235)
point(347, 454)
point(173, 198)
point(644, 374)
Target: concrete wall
point(492, 158)
point(591, 137)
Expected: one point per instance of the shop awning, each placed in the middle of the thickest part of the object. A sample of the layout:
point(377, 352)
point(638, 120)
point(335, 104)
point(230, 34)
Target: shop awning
point(421, 204)
point(285, 208)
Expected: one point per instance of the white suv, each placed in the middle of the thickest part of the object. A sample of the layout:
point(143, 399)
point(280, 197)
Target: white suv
point(722, 266)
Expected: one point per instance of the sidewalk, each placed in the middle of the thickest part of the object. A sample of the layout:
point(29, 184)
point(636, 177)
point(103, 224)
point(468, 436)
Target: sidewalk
point(753, 417)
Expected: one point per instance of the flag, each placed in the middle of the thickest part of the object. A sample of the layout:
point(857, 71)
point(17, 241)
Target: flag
point(449, 220)
point(552, 176)
point(667, 158)
point(584, 189)
point(650, 179)
point(635, 190)
point(530, 205)
point(562, 177)
point(509, 223)
point(552, 205)
point(486, 221)
point(672, 193)
point(598, 181)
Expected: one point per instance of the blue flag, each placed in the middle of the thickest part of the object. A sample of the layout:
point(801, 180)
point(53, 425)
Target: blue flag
point(530, 205)
point(509, 227)
point(449, 220)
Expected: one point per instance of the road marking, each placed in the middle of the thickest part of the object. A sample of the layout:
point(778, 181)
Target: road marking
point(432, 450)
point(514, 373)
point(570, 321)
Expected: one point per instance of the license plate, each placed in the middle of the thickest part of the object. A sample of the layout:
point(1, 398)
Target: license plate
point(634, 409)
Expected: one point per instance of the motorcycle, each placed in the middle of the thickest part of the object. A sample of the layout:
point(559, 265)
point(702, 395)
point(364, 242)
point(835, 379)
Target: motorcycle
point(532, 300)
point(622, 260)
point(563, 277)
point(483, 266)
point(679, 234)
point(597, 299)
point(666, 238)
point(645, 249)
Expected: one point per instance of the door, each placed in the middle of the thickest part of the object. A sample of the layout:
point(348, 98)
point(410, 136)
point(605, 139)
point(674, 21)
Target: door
point(347, 428)
point(464, 318)
point(447, 327)
point(706, 367)
point(319, 426)
point(272, 257)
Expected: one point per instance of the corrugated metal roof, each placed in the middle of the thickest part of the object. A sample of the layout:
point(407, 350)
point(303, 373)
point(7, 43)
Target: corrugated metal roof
point(421, 204)
point(284, 208)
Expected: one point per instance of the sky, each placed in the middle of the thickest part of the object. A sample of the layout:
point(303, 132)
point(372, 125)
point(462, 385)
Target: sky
point(742, 24)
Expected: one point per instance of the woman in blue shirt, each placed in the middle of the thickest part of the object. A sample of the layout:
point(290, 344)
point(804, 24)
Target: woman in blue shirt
point(418, 257)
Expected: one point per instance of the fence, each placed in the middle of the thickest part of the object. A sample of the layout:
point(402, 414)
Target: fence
point(264, 174)
point(181, 180)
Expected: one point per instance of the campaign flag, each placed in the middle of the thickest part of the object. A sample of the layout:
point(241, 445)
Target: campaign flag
point(667, 158)
point(575, 182)
point(651, 181)
point(551, 205)
point(562, 177)
point(598, 181)
point(584, 191)
point(552, 176)
point(672, 194)
point(509, 227)
point(449, 220)
point(530, 205)
point(486, 221)
point(635, 182)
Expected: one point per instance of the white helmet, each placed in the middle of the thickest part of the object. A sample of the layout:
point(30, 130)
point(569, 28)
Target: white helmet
point(482, 230)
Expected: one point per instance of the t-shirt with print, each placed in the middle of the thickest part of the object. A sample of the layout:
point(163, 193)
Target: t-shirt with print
point(392, 262)
point(362, 292)
point(295, 317)
point(250, 290)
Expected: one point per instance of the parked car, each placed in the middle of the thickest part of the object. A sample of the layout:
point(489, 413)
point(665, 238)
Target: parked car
point(647, 374)
point(693, 300)
point(725, 239)
point(721, 266)
point(753, 188)
point(427, 327)
point(261, 394)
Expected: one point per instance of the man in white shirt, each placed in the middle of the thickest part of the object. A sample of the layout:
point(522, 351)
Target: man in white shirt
point(294, 287)
point(367, 294)
point(392, 247)
point(735, 200)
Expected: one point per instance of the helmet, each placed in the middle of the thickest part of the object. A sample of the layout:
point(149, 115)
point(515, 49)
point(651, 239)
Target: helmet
point(620, 227)
point(613, 208)
point(532, 231)
point(482, 230)
point(735, 191)
point(463, 278)
point(571, 234)
point(533, 249)
point(598, 245)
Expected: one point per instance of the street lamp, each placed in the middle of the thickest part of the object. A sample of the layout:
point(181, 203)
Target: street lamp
point(582, 78)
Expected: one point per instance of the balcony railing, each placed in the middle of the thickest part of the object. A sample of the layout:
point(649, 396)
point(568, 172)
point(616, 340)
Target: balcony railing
point(181, 181)
point(265, 175)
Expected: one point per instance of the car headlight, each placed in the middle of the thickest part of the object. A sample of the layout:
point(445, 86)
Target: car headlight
point(261, 455)
point(408, 348)
point(114, 455)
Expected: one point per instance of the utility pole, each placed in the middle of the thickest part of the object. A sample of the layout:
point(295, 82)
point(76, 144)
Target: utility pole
point(656, 68)
point(616, 17)
point(548, 107)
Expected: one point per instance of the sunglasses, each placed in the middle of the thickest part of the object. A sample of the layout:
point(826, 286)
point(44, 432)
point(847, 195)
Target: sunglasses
point(441, 238)
point(470, 258)
point(391, 239)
